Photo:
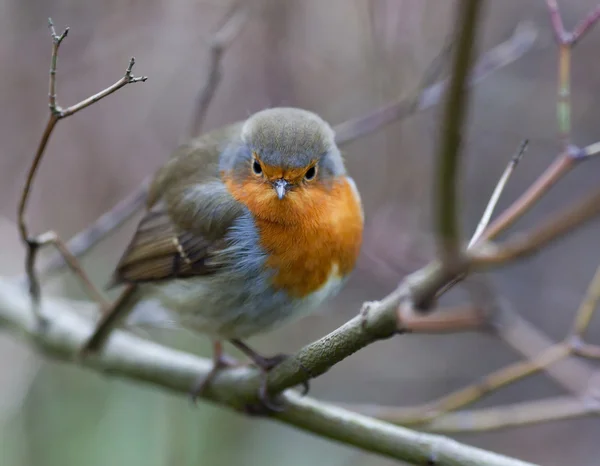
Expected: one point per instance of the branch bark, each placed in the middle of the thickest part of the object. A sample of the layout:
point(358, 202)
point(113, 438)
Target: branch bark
point(139, 360)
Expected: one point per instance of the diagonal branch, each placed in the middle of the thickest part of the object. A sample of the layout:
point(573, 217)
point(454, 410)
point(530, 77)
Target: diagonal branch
point(135, 359)
point(524, 244)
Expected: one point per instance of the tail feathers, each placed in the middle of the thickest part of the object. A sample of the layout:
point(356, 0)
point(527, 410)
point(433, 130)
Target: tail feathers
point(109, 320)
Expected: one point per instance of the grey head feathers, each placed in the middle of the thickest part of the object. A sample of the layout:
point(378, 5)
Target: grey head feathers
point(285, 137)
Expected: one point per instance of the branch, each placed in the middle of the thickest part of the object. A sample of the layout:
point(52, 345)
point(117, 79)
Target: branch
point(57, 113)
point(219, 43)
point(449, 145)
point(132, 358)
point(502, 55)
point(571, 38)
point(489, 210)
point(524, 244)
point(109, 221)
point(513, 415)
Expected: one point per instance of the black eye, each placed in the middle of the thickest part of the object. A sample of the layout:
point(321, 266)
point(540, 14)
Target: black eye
point(256, 168)
point(310, 173)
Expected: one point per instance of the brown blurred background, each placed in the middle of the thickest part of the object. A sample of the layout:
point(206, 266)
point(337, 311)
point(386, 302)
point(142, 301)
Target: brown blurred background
point(339, 58)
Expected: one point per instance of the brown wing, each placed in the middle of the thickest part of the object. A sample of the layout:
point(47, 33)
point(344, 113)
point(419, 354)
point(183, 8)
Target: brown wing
point(189, 213)
point(159, 251)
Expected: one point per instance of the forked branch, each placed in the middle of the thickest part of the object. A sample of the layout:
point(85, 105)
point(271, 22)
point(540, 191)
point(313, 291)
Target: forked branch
point(57, 113)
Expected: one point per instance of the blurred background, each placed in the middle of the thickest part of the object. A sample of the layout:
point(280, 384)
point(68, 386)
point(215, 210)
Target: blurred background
point(339, 58)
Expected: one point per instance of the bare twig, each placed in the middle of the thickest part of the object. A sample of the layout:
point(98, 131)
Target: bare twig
point(582, 28)
point(524, 244)
point(592, 150)
point(588, 306)
point(557, 170)
point(232, 26)
point(56, 114)
point(449, 150)
point(512, 415)
point(489, 210)
point(585, 25)
point(449, 320)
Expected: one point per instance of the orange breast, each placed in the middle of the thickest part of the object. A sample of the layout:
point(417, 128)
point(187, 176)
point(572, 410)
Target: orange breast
point(307, 233)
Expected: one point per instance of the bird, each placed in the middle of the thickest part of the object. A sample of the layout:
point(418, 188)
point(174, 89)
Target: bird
point(246, 228)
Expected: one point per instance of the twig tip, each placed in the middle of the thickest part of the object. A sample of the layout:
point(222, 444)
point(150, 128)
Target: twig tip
point(522, 149)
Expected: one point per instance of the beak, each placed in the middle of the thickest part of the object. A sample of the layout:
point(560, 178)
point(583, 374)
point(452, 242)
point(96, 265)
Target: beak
point(281, 187)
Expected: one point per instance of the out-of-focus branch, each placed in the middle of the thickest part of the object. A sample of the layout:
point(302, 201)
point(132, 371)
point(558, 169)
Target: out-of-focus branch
point(502, 55)
point(562, 165)
point(582, 28)
point(57, 113)
point(524, 244)
point(434, 415)
point(498, 57)
point(512, 415)
point(86, 239)
point(234, 21)
point(586, 309)
point(135, 359)
point(449, 144)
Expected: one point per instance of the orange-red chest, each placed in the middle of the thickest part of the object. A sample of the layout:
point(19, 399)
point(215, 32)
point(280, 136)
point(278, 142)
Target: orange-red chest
point(319, 235)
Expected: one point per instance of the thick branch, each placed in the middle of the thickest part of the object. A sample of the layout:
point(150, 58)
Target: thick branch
point(136, 359)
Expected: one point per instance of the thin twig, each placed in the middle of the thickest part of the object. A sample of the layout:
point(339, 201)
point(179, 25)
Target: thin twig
point(56, 114)
point(512, 415)
point(445, 320)
point(235, 19)
point(556, 20)
point(556, 171)
point(563, 102)
point(592, 150)
point(585, 25)
point(588, 306)
point(428, 412)
point(489, 210)
point(449, 151)
point(524, 244)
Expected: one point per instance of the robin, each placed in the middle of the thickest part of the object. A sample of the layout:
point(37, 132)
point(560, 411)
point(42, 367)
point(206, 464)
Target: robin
point(246, 228)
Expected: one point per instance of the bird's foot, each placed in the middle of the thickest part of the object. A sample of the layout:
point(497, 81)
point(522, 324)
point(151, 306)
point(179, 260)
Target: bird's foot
point(267, 402)
point(220, 361)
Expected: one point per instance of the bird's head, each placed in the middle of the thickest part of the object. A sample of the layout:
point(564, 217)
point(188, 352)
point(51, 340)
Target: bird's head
point(285, 160)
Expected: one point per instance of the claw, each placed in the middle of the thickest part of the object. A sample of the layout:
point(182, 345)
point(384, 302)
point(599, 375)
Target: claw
point(268, 404)
point(220, 361)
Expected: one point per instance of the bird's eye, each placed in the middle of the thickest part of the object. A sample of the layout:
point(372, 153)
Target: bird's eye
point(256, 168)
point(310, 173)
